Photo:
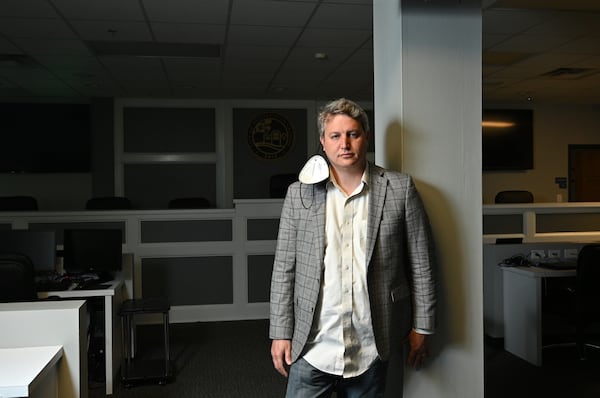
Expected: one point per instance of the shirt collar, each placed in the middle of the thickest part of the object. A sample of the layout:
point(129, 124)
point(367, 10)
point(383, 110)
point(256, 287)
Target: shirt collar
point(365, 179)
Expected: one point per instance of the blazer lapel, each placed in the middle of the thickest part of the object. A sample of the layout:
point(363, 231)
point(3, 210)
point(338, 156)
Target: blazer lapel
point(317, 194)
point(378, 186)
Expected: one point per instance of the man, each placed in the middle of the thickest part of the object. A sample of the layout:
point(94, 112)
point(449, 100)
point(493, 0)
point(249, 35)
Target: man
point(353, 272)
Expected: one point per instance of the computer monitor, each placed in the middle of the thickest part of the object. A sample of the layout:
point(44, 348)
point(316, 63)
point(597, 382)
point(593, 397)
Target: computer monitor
point(96, 251)
point(39, 246)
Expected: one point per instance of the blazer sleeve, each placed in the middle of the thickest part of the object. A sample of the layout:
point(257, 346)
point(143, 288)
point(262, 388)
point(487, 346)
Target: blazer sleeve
point(283, 278)
point(421, 260)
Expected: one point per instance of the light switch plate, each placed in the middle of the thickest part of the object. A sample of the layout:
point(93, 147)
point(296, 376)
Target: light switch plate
point(570, 253)
point(537, 254)
point(554, 253)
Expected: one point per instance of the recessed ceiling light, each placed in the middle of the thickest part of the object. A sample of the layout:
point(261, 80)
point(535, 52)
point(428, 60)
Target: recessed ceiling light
point(320, 56)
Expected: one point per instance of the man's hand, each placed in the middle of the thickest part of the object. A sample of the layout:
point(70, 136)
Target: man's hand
point(281, 354)
point(419, 349)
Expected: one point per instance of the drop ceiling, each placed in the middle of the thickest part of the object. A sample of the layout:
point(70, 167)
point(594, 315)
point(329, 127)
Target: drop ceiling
point(542, 51)
point(299, 49)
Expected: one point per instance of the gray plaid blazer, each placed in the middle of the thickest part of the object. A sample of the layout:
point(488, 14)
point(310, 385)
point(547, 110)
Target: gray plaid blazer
point(400, 262)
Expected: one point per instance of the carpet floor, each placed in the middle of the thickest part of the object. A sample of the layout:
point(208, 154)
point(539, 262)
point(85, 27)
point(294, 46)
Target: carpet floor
point(232, 359)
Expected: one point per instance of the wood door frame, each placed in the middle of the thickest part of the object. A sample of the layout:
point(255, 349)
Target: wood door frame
point(572, 149)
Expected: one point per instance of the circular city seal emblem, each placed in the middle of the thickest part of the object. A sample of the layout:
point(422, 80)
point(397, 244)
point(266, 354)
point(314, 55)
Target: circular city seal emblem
point(270, 136)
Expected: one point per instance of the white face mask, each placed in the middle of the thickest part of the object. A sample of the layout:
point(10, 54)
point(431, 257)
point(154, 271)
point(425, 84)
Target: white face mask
point(314, 171)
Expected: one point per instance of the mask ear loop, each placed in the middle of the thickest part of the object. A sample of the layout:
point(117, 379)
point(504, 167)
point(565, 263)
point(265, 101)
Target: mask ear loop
point(302, 199)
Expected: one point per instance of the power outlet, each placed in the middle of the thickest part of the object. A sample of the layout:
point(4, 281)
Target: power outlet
point(570, 253)
point(555, 253)
point(537, 255)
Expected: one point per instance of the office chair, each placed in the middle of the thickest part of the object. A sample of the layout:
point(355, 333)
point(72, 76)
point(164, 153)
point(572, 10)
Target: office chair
point(189, 203)
point(514, 197)
point(576, 305)
point(108, 203)
point(587, 297)
point(18, 203)
point(279, 183)
point(17, 278)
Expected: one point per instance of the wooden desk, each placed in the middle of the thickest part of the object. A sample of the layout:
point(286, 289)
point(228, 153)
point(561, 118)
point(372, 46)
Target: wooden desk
point(113, 297)
point(29, 371)
point(522, 294)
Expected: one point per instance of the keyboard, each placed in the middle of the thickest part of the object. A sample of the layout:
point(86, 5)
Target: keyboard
point(52, 285)
point(558, 264)
point(91, 284)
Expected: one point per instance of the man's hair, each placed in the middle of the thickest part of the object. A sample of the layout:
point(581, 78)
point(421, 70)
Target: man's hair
point(342, 106)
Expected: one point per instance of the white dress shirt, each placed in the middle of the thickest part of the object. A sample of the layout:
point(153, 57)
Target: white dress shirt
point(342, 341)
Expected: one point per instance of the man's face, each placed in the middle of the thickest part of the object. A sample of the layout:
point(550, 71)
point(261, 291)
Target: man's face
point(345, 143)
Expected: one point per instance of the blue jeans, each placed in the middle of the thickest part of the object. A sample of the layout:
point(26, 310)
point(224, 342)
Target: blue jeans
point(305, 381)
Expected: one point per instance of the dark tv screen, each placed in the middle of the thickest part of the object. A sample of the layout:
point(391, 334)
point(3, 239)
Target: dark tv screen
point(507, 142)
point(45, 138)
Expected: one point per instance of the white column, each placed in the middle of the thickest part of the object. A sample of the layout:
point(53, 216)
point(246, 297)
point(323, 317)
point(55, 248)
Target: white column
point(428, 116)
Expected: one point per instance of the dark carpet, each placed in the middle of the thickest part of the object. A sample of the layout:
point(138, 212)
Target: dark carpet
point(562, 374)
point(211, 360)
point(232, 359)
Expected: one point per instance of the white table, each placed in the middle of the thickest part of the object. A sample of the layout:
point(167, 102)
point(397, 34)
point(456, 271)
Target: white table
point(113, 297)
point(522, 293)
point(29, 371)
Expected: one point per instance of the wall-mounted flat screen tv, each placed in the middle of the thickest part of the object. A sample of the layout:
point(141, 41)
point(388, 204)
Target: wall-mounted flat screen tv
point(507, 142)
point(45, 138)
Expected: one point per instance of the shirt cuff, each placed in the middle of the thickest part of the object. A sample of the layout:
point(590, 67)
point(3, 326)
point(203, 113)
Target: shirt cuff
point(424, 331)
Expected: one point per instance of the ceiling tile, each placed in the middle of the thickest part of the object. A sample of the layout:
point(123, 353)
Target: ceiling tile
point(262, 35)
point(319, 37)
point(32, 28)
point(585, 45)
point(189, 33)
point(530, 43)
point(271, 13)
point(510, 22)
point(6, 47)
point(550, 61)
point(343, 16)
point(589, 62)
point(27, 8)
point(49, 88)
point(187, 11)
point(118, 10)
point(490, 40)
point(192, 70)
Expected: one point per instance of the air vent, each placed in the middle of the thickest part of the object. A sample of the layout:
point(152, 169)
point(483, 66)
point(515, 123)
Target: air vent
point(149, 49)
point(569, 73)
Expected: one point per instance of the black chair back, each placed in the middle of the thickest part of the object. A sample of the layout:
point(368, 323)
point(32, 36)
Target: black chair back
point(279, 183)
point(189, 203)
point(588, 280)
point(17, 278)
point(108, 203)
point(514, 197)
point(18, 203)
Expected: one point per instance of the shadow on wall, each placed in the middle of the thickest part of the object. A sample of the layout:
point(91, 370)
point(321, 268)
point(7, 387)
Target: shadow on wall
point(452, 318)
point(393, 146)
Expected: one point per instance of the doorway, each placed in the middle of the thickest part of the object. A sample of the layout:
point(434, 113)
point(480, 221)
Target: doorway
point(584, 173)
